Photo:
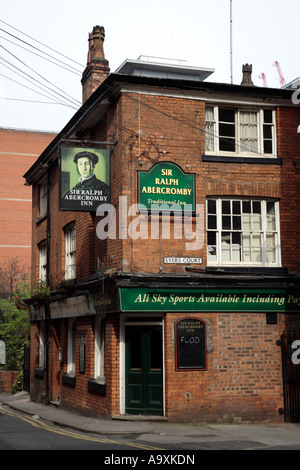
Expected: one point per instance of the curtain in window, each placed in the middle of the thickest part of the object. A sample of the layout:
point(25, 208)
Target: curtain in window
point(209, 129)
point(248, 131)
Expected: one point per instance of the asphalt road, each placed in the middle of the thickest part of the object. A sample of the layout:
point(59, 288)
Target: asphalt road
point(22, 432)
point(168, 445)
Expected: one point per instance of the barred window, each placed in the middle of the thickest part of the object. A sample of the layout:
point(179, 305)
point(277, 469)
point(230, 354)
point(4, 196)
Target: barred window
point(70, 252)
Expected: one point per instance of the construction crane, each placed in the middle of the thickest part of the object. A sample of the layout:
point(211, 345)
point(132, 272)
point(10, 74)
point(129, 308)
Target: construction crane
point(281, 77)
point(263, 77)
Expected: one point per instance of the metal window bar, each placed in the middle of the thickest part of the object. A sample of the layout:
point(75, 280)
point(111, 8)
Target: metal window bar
point(70, 263)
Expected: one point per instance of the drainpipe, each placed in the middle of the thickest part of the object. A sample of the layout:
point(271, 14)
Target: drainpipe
point(48, 227)
point(46, 305)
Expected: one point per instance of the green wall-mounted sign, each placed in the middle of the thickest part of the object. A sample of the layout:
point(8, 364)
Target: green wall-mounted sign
point(209, 300)
point(166, 184)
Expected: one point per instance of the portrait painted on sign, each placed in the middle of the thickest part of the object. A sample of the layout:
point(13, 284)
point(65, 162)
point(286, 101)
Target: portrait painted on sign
point(84, 178)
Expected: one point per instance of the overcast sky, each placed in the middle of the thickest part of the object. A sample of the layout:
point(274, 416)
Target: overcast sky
point(197, 31)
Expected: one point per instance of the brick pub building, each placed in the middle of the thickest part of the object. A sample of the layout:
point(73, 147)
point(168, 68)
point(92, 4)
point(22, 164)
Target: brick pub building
point(174, 287)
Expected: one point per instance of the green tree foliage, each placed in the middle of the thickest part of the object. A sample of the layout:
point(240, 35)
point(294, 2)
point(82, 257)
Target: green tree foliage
point(14, 323)
point(14, 331)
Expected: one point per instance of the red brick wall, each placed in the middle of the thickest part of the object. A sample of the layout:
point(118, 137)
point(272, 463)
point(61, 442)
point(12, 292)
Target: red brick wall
point(7, 379)
point(288, 120)
point(243, 377)
point(153, 125)
point(78, 398)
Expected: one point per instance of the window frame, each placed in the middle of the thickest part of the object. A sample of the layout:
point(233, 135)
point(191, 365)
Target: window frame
point(214, 124)
point(263, 233)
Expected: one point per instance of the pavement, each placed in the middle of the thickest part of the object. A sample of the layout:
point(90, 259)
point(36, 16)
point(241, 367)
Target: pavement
point(212, 436)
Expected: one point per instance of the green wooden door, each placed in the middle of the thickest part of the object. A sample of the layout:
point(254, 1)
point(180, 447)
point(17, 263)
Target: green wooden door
point(143, 370)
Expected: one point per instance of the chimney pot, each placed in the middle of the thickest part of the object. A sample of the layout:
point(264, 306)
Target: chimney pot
point(97, 69)
point(96, 40)
point(247, 71)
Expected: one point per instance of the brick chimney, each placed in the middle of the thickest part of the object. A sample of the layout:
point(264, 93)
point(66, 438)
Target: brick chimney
point(97, 68)
point(247, 71)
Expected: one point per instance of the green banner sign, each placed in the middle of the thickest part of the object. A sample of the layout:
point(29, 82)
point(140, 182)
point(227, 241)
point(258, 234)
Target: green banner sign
point(209, 300)
point(166, 184)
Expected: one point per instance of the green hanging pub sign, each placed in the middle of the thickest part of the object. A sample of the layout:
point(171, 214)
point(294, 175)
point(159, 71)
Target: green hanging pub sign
point(166, 185)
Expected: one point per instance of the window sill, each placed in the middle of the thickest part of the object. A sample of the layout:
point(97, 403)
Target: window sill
point(40, 219)
point(239, 159)
point(246, 270)
point(97, 385)
point(69, 378)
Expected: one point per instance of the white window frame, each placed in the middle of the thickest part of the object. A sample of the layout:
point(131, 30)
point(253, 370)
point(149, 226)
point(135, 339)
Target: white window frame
point(71, 347)
point(70, 252)
point(99, 347)
point(217, 258)
point(43, 198)
point(213, 125)
point(43, 260)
